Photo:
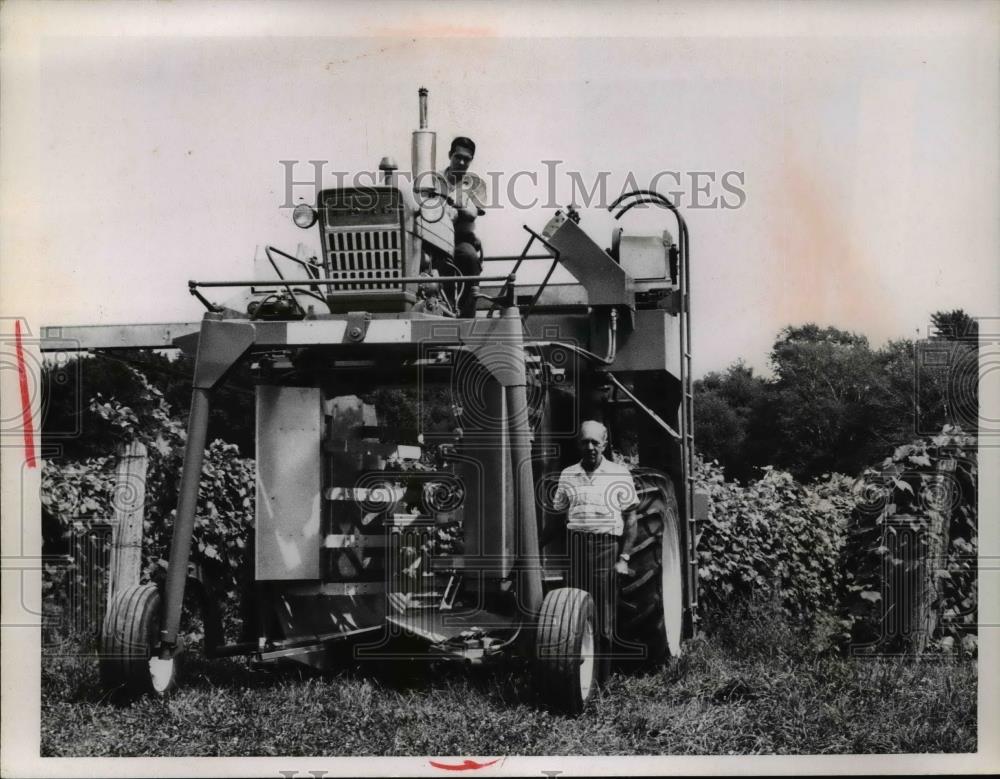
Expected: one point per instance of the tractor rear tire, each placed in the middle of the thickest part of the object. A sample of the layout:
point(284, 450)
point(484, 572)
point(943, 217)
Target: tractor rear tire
point(651, 598)
point(129, 638)
point(565, 647)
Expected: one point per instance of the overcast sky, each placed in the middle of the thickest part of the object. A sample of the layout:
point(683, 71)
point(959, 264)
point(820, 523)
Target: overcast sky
point(141, 147)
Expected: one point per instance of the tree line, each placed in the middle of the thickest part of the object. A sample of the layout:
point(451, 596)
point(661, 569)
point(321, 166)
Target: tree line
point(835, 404)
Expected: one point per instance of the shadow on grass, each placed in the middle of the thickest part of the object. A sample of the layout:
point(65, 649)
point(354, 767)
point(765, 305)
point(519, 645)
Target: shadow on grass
point(408, 669)
point(70, 674)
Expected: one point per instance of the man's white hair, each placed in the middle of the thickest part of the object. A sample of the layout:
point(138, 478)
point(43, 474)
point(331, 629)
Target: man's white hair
point(594, 423)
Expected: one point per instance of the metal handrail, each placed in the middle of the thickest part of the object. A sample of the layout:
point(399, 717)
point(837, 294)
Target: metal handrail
point(513, 257)
point(288, 287)
point(524, 253)
point(686, 417)
point(553, 254)
point(556, 257)
point(509, 278)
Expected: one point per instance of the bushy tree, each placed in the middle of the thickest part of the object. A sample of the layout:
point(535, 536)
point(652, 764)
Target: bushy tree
point(726, 405)
point(955, 325)
point(834, 404)
point(953, 365)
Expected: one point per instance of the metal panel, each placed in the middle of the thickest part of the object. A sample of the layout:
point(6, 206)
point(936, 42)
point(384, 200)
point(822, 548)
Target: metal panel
point(485, 467)
point(653, 345)
point(331, 331)
point(553, 294)
point(152, 336)
point(606, 282)
point(289, 428)
point(557, 294)
point(645, 256)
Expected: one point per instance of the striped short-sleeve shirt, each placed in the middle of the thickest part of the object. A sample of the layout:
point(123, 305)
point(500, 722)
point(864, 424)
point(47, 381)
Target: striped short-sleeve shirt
point(594, 501)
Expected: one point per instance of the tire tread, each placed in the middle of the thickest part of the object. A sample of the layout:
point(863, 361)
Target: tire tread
point(640, 599)
point(557, 650)
point(126, 635)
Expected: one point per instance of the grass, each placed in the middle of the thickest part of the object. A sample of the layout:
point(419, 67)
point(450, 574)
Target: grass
point(751, 688)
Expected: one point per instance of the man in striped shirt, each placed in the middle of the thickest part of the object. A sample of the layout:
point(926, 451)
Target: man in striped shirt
point(596, 497)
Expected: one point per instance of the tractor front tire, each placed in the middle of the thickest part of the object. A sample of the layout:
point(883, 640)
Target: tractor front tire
point(565, 648)
point(129, 638)
point(651, 598)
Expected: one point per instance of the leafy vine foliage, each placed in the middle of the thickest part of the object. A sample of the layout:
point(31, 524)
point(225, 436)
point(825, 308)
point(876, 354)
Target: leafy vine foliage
point(774, 539)
point(843, 557)
point(77, 495)
point(817, 550)
point(916, 514)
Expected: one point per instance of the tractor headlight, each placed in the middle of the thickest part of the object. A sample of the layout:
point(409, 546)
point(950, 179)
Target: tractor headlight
point(304, 215)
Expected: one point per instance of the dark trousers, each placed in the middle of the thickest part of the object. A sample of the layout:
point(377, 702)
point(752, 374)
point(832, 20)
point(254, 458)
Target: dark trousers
point(468, 262)
point(592, 559)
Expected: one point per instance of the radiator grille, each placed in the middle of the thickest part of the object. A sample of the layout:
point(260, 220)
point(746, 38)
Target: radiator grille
point(368, 258)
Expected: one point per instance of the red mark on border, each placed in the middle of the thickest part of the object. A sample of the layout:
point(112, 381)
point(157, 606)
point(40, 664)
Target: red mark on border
point(468, 765)
point(22, 376)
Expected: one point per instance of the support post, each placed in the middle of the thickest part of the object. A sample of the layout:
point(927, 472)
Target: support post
point(128, 501)
point(220, 346)
point(934, 549)
point(180, 542)
point(934, 553)
point(524, 492)
point(520, 453)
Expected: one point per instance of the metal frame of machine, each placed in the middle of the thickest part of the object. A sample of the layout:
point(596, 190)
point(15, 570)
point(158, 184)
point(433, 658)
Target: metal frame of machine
point(335, 547)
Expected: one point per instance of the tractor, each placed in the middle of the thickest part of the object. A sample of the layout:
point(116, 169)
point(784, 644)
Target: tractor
point(406, 454)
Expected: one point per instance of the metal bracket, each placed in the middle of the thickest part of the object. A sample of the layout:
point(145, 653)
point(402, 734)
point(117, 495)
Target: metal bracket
point(220, 346)
point(357, 326)
point(204, 301)
point(669, 300)
point(451, 592)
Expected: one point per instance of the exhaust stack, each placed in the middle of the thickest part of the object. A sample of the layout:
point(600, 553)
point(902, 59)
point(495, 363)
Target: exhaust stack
point(423, 159)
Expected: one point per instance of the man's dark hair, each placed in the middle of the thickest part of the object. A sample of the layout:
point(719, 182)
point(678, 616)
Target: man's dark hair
point(462, 141)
